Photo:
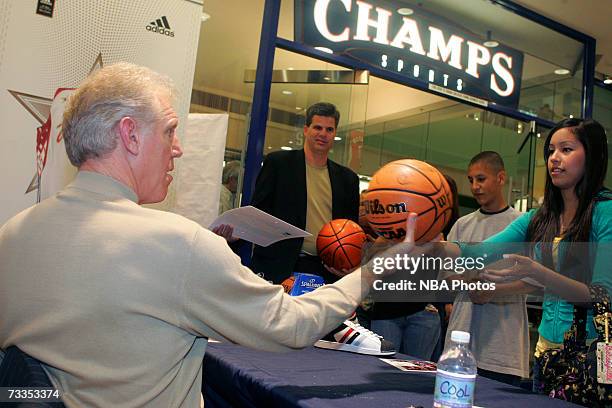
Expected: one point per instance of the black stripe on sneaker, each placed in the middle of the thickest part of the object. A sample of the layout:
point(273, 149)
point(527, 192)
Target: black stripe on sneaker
point(352, 338)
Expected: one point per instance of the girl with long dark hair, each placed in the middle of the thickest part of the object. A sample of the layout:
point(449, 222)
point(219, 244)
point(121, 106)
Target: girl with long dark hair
point(570, 236)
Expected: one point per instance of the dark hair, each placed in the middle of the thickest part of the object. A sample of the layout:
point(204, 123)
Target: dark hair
point(322, 109)
point(544, 225)
point(455, 205)
point(491, 158)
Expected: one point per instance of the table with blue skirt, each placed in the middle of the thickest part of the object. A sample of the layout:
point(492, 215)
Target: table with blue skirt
point(236, 376)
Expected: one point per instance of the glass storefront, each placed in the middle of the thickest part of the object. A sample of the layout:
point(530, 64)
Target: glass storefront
point(383, 120)
point(552, 71)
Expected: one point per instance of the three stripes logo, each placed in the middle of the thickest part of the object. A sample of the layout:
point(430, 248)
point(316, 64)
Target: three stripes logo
point(160, 26)
point(348, 336)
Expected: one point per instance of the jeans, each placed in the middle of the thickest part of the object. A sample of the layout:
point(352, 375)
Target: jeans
point(416, 334)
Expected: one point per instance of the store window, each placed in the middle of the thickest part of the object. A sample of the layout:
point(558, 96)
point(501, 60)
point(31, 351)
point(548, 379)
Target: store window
point(228, 46)
point(382, 121)
point(602, 112)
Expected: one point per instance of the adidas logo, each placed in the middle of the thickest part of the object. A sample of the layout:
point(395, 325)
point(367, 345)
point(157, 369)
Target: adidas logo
point(160, 26)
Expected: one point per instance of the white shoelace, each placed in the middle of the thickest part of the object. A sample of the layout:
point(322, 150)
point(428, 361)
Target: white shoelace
point(361, 329)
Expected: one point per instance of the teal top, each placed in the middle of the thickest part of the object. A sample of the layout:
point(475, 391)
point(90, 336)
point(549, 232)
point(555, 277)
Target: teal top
point(558, 314)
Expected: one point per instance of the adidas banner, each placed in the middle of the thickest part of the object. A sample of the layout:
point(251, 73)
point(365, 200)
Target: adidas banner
point(48, 48)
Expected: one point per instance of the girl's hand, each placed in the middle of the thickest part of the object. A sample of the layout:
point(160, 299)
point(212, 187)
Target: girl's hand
point(524, 267)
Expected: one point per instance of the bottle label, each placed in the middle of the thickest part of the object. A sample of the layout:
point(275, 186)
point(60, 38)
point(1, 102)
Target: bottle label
point(454, 390)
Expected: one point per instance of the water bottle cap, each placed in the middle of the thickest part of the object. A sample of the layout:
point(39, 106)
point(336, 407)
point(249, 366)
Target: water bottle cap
point(460, 336)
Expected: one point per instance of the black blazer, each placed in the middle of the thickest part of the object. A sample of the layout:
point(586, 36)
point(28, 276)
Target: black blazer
point(280, 190)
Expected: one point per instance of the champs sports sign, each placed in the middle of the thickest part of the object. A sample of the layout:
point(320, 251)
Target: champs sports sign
point(442, 56)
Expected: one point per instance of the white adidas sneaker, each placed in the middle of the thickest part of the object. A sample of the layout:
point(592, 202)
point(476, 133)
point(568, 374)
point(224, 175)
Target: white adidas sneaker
point(351, 336)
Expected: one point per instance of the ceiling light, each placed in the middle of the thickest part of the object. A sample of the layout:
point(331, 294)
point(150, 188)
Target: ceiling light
point(327, 78)
point(324, 49)
point(337, 138)
point(286, 148)
point(607, 81)
point(562, 71)
point(290, 68)
point(204, 17)
point(405, 11)
point(298, 108)
point(490, 43)
point(286, 92)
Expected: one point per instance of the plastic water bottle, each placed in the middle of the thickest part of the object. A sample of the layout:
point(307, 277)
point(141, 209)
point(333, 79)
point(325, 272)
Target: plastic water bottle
point(456, 374)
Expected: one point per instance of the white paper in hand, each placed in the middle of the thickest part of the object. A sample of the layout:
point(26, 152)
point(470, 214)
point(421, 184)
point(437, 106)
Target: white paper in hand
point(258, 227)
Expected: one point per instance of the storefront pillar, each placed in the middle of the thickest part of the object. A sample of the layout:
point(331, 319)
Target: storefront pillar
point(261, 99)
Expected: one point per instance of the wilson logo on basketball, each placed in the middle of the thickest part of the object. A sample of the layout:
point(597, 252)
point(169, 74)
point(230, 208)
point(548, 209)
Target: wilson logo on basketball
point(375, 207)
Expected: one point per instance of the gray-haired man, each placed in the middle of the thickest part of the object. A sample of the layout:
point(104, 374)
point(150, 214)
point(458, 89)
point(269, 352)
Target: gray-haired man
point(116, 300)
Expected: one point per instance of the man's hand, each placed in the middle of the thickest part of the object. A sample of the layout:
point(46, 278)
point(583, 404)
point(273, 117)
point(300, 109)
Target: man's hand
point(226, 231)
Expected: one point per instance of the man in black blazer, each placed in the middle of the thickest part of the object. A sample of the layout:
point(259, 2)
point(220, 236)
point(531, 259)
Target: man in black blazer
point(305, 189)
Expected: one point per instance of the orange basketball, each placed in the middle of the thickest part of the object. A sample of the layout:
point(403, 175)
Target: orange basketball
point(339, 244)
point(288, 284)
point(402, 187)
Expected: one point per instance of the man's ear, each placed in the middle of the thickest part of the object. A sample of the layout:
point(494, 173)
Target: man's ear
point(501, 177)
point(128, 135)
